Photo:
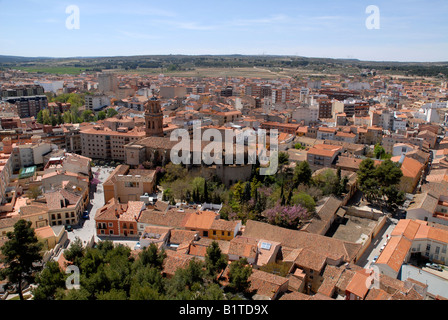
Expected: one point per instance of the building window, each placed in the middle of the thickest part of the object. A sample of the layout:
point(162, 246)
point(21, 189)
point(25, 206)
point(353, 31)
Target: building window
point(111, 224)
point(214, 232)
point(111, 231)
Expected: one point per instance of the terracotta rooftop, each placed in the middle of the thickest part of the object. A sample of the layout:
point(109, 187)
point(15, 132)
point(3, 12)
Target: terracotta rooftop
point(395, 252)
point(293, 239)
point(201, 220)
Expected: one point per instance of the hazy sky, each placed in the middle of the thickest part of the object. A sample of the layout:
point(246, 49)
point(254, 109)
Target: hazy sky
point(409, 30)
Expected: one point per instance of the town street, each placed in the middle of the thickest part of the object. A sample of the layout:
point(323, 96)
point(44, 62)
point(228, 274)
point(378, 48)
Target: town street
point(87, 229)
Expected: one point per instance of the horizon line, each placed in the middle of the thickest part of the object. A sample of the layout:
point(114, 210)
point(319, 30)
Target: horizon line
point(217, 55)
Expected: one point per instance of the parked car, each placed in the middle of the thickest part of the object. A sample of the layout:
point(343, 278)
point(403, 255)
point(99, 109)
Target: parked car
point(85, 214)
point(68, 228)
point(434, 266)
point(382, 248)
point(137, 246)
point(374, 259)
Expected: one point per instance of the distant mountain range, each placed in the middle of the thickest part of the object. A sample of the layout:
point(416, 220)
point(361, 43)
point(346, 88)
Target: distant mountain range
point(19, 59)
point(170, 63)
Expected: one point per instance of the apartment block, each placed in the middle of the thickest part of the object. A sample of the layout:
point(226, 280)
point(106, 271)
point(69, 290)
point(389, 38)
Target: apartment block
point(103, 143)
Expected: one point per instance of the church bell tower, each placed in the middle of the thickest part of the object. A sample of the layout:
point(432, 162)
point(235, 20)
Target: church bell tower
point(153, 118)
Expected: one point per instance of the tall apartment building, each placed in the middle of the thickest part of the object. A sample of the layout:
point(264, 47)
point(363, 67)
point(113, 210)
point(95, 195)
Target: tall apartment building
point(29, 106)
point(170, 92)
point(104, 143)
point(22, 91)
point(307, 115)
point(107, 82)
point(260, 91)
point(227, 91)
point(325, 109)
point(281, 95)
point(96, 101)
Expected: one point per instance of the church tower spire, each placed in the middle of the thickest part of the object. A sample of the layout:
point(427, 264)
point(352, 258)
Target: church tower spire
point(153, 118)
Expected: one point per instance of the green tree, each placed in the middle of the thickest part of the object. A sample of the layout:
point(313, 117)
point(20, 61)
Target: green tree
point(113, 294)
point(388, 173)
point(147, 283)
point(379, 184)
point(39, 117)
point(283, 158)
point(152, 257)
point(67, 117)
point(81, 294)
point(206, 197)
point(101, 115)
point(367, 180)
point(59, 118)
point(21, 253)
point(239, 273)
point(48, 281)
point(238, 192)
point(46, 118)
point(174, 172)
point(379, 151)
point(111, 112)
point(327, 181)
point(87, 116)
point(305, 200)
point(53, 120)
point(75, 252)
point(215, 260)
point(188, 283)
point(302, 174)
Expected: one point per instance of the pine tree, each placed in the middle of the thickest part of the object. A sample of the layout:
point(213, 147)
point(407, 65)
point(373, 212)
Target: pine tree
point(21, 252)
point(205, 192)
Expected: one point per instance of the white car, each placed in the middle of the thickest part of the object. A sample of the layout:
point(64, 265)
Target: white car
point(434, 266)
point(137, 246)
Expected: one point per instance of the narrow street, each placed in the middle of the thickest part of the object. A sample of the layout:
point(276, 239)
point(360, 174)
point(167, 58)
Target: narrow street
point(87, 228)
point(374, 248)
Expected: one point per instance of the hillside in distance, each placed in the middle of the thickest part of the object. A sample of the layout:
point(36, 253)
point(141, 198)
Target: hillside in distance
point(173, 63)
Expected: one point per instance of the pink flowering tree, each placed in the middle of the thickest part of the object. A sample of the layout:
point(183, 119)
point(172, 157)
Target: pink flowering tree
point(286, 216)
